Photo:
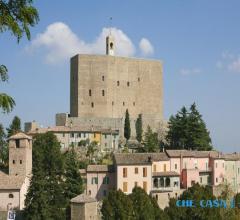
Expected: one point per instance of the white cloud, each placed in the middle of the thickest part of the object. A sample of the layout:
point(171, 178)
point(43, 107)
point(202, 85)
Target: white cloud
point(146, 47)
point(186, 72)
point(60, 43)
point(234, 66)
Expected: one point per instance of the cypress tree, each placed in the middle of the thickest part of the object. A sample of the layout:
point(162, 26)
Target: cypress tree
point(127, 128)
point(139, 129)
point(14, 127)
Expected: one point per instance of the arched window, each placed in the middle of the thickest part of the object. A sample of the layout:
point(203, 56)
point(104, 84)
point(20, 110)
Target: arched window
point(118, 83)
point(90, 92)
point(167, 182)
point(103, 78)
point(138, 79)
point(103, 93)
point(92, 104)
point(161, 182)
point(10, 196)
point(155, 182)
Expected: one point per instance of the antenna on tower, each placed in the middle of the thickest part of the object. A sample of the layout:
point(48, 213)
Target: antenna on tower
point(110, 23)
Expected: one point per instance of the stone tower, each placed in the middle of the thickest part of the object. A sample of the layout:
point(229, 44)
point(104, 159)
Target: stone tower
point(110, 45)
point(20, 155)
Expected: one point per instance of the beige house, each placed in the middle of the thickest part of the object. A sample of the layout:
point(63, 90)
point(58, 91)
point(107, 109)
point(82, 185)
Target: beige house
point(15, 183)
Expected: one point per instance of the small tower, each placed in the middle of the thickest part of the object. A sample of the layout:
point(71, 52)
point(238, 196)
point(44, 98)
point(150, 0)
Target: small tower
point(110, 45)
point(20, 155)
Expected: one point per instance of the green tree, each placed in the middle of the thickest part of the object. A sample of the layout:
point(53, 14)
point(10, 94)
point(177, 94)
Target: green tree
point(14, 127)
point(195, 193)
point(3, 148)
point(46, 198)
point(91, 149)
point(187, 130)
point(142, 205)
point(117, 205)
point(127, 127)
point(150, 142)
point(139, 129)
point(15, 16)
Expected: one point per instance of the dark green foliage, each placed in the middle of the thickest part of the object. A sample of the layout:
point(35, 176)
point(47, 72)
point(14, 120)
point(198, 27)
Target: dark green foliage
point(91, 149)
point(117, 205)
point(16, 16)
point(150, 142)
point(187, 130)
point(196, 193)
point(45, 198)
point(14, 127)
point(127, 127)
point(3, 148)
point(139, 129)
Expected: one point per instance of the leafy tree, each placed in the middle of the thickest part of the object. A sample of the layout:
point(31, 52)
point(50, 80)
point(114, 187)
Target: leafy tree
point(15, 16)
point(195, 193)
point(187, 130)
point(139, 129)
point(14, 127)
point(150, 142)
point(158, 213)
point(142, 205)
point(127, 127)
point(91, 149)
point(3, 148)
point(45, 198)
point(117, 205)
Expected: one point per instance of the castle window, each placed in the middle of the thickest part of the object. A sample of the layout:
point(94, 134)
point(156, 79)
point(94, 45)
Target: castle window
point(103, 93)
point(17, 143)
point(123, 103)
point(72, 135)
point(92, 104)
point(112, 102)
point(103, 78)
point(20, 161)
point(13, 161)
point(90, 92)
point(128, 83)
point(118, 83)
point(138, 79)
point(10, 196)
point(133, 103)
point(111, 45)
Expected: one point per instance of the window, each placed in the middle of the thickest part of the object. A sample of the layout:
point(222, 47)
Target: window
point(94, 135)
point(164, 168)
point(216, 180)
point(103, 93)
point(216, 164)
point(185, 165)
point(13, 161)
point(103, 78)
point(238, 170)
point(17, 143)
point(94, 180)
point(200, 179)
point(105, 136)
point(125, 172)
point(89, 192)
point(92, 104)
point(79, 135)
point(155, 182)
point(167, 182)
point(175, 166)
point(123, 103)
point(106, 180)
point(10, 196)
point(118, 83)
point(20, 161)
point(136, 170)
point(128, 83)
point(112, 102)
point(90, 92)
point(144, 171)
point(145, 186)
point(125, 187)
point(84, 135)
point(72, 135)
point(154, 168)
point(63, 134)
point(138, 79)
point(104, 192)
point(161, 182)
point(135, 184)
point(133, 103)
point(175, 183)
point(223, 165)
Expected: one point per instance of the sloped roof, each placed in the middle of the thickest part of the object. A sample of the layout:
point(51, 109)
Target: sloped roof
point(190, 153)
point(139, 158)
point(168, 173)
point(82, 198)
point(100, 168)
point(20, 135)
point(11, 181)
point(232, 156)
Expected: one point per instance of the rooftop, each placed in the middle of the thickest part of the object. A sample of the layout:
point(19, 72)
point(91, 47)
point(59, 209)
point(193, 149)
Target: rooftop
point(190, 153)
point(139, 158)
point(20, 135)
point(11, 181)
point(168, 173)
point(100, 168)
point(83, 198)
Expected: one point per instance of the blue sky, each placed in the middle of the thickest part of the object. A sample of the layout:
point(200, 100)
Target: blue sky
point(198, 42)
